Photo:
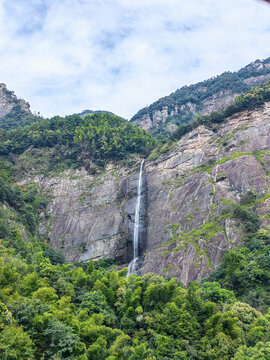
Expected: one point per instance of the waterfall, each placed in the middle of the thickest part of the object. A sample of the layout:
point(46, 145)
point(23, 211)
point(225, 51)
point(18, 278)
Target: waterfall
point(132, 264)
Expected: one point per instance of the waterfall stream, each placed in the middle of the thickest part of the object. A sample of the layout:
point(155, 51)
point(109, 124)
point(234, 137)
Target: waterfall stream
point(133, 263)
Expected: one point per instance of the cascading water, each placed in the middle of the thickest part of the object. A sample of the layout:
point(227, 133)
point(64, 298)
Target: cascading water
point(132, 264)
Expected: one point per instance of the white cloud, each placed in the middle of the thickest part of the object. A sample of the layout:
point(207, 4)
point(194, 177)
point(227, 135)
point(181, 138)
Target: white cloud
point(67, 55)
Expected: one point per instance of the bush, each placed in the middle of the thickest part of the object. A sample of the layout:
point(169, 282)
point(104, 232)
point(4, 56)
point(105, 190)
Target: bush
point(250, 219)
point(248, 198)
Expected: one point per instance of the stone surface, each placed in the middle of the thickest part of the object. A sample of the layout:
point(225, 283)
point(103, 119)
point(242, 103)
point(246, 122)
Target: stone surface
point(92, 216)
point(181, 191)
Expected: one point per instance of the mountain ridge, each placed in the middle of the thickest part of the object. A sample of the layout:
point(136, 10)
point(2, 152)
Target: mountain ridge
point(180, 107)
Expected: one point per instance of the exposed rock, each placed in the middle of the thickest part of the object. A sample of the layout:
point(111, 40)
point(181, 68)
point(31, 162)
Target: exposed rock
point(217, 102)
point(91, 216)
point(8, 101)
point(186, 188)
point(87, 221)
point(255, 80)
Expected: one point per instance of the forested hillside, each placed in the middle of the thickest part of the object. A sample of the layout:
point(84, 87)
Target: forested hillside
point(253, 99)
point(163, 116)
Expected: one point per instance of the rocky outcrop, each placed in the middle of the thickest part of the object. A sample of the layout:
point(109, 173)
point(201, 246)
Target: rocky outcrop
point(8, 101)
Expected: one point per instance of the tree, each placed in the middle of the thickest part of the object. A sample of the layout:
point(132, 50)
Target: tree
point(259, 352)
point(15, 344)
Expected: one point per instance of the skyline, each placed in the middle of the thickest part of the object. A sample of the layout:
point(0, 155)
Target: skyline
point(66, 56)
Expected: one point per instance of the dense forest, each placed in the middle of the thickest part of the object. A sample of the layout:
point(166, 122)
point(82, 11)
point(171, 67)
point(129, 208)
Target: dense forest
point(76, 141)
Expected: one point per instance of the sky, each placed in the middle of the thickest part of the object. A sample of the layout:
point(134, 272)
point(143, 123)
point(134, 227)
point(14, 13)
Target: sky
point(64, 56)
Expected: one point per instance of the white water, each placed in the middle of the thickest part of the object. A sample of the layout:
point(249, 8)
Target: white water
point(132, 264)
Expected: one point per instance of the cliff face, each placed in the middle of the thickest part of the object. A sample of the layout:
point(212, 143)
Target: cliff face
point(90, 216)
point(215, 94)
point(185, 192)
point(189, 187)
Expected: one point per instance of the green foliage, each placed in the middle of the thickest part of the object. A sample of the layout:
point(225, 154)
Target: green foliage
point(46, 133)
point(248, 198)
point(17, 118)
point(56, 144)
point(65, 312)
point(181, 131)
point(105, 136)
point(245, 270)
point(259, 352)
point(15, 344)
point(27, 201)
point(249, 218)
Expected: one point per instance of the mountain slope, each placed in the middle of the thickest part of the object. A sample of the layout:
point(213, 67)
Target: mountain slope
point(189, 194)
point(180, 107)
point(88, 168)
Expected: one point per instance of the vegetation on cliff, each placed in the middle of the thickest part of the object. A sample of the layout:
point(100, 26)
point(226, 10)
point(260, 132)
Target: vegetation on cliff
point(192, 99)
point(16, 111)
point(250, 101)
point(245, 271)
point(255, 98)
point(17, 118)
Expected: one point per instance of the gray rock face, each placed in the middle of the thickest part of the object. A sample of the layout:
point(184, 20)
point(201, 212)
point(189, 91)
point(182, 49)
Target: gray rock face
point(8, 101)
point(185, 191)
point(92, 216)
point(87, 217)
point(189, 186)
